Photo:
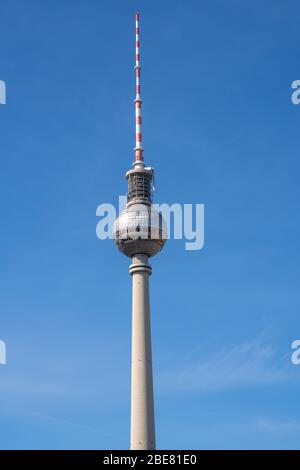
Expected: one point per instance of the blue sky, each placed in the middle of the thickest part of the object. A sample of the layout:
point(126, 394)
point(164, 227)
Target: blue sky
point(220, 129)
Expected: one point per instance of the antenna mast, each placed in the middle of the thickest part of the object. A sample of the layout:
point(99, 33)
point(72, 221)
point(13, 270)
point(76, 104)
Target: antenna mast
point(138, 150)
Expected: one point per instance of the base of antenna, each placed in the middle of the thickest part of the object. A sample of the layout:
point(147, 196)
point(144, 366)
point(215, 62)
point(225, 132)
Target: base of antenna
point(138, 164)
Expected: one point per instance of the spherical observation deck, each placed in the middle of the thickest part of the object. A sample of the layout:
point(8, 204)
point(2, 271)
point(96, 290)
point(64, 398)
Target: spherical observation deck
point(140, 229)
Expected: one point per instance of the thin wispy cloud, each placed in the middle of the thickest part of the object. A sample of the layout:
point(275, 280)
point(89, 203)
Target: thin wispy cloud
point(252, 363)
point(277, 426)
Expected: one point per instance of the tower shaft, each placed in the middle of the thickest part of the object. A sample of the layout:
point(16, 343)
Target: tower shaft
point(142, 434)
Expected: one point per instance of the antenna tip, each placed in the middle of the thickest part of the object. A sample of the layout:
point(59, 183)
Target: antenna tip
point(137, 16)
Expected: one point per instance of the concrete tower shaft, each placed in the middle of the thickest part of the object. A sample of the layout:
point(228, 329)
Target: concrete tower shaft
point(142, 435)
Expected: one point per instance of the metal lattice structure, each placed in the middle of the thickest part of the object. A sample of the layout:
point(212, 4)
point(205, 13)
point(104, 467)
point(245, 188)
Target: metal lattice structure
point(139, 186)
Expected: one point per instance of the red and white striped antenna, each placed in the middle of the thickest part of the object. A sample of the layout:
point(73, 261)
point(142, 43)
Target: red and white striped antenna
point(138, 150)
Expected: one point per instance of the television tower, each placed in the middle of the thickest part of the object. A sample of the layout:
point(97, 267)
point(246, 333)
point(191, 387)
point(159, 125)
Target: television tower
point(140, 233)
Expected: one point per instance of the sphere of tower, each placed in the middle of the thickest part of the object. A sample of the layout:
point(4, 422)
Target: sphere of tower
point(140, 229)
